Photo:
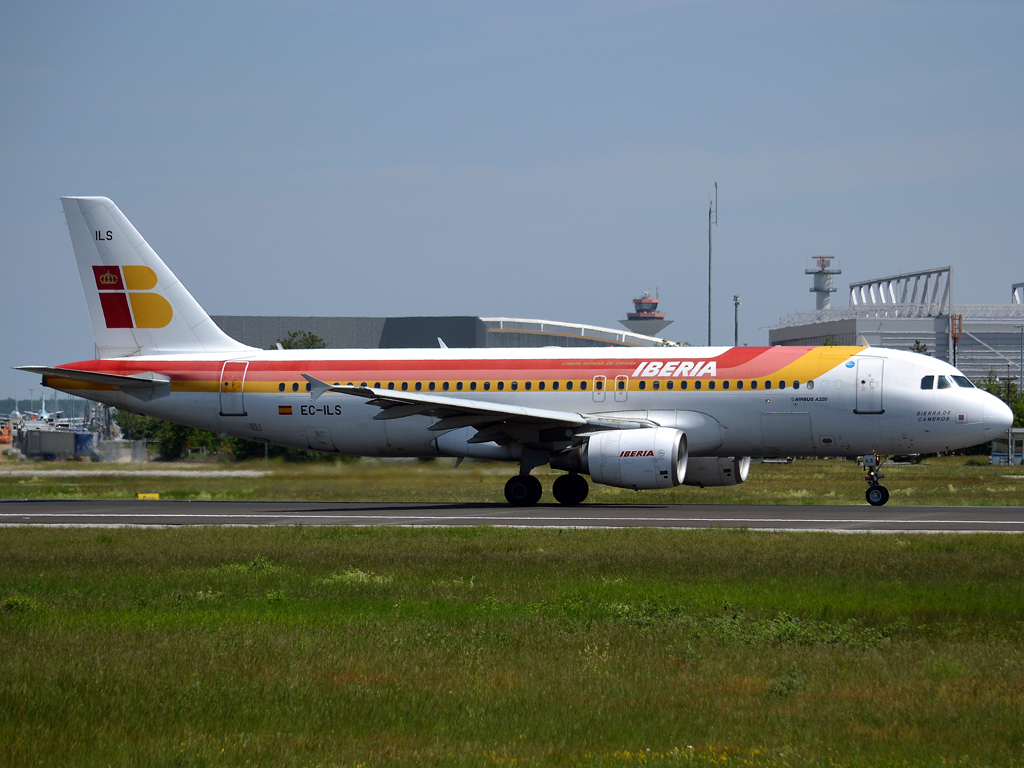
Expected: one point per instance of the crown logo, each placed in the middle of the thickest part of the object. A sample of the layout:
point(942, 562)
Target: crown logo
point(108, 278)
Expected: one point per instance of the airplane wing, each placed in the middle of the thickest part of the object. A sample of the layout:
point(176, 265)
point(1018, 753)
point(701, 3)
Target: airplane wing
point(492, 420)
point(145, 386)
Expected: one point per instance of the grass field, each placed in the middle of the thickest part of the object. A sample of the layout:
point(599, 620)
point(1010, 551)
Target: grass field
point(946, 480)
point(383, 646)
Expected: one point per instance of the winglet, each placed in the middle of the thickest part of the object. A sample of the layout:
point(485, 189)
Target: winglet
point(441, 344)
point(864, 342)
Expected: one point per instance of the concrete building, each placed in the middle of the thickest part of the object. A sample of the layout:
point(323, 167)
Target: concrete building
point(917, 308)
point(423, 332)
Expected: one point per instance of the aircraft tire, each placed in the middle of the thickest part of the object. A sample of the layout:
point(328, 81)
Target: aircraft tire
point(570, 490)
point(877, 495)
point(523, 491)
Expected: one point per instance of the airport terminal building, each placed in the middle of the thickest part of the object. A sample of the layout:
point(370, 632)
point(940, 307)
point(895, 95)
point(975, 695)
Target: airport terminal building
point(908, 310)
point(423, 332)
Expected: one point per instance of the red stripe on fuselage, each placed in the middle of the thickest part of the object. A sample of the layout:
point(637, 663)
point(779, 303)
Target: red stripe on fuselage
point(736, 362)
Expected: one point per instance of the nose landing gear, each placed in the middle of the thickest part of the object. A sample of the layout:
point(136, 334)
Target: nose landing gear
point(876, 494)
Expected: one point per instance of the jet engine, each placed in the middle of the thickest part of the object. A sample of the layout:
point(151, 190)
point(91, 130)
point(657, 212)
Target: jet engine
point(708, 471)
point(642, 459)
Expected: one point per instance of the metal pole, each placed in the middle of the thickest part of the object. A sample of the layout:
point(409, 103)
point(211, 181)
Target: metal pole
point(709, 274)
point(736, 320)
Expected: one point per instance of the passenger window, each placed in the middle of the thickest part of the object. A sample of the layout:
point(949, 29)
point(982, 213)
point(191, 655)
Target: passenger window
point(568, 385)
point(683, 384)
point(711, 385)
point(419, 386)
point(810, 385)
point(529, 385)
point(753, 385)
point(657, 385)
point(445, 386)
point(782, 385)
point(487, 386)
point(928, 382)
point(944, 382)
point(310, 386)
point(767, 385)
point(583, 385)
point(515, 385)
point(501, 385)
point(554, 385)
point(472, 386)
point(280, 387)
point(540, 385)
point(391, 385)
point(430, 386)
point(725, 385)
point(697, 384)
point(295, 387)
point(643, 385)
point(669, 385)
point(458, 386)
point(622, 384)
point(796, 385)
point(376, 385)
point(599, 384)
point(739, 385)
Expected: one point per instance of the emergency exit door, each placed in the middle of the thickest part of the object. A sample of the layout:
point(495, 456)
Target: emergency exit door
point(232, 387)
point(869, 385)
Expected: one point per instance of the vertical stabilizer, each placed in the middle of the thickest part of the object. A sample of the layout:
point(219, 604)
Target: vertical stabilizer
point(136, 304)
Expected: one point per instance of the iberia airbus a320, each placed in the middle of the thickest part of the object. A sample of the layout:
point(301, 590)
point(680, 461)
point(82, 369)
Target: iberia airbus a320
point(631, 418)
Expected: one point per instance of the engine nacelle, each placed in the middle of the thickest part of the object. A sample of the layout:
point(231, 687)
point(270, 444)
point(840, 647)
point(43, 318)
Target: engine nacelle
point(642, 459)
point(709, 471)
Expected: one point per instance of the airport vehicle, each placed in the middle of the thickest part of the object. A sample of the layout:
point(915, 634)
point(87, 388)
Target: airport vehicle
point(641, 418)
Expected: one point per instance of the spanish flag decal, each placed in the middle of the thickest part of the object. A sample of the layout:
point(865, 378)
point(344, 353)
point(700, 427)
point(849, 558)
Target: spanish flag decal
point(284, 410)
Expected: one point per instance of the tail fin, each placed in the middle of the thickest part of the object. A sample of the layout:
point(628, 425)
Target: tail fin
point(136, 304)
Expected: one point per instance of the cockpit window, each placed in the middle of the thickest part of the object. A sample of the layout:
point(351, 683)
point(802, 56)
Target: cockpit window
point(944, 382)
point(964, 382)
point(928, 382)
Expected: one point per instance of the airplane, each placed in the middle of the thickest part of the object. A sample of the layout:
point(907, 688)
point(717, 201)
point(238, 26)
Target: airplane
point(41, 415)
point(639, 418)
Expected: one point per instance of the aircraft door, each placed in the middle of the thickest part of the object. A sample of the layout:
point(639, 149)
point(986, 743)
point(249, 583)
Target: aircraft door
point(621, 388)
point(232, 386)
point(600, 384)
point(787, 434)
point(869, 385)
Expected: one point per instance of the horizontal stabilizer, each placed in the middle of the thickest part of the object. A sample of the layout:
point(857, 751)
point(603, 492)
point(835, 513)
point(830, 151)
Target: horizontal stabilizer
point(144, 386)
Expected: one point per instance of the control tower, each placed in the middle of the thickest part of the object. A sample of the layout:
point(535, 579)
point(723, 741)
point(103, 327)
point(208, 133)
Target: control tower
point(823, 268)
point(646, 318)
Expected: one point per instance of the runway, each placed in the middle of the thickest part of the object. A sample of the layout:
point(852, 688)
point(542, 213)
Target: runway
point(789, 518)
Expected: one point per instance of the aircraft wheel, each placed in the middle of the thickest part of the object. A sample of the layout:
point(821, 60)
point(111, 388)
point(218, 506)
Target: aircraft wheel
point(570, 490)
point(877, 495)
point(523, 491)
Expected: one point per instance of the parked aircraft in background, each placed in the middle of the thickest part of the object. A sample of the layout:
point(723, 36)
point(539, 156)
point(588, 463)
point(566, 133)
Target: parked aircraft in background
point(640, 418)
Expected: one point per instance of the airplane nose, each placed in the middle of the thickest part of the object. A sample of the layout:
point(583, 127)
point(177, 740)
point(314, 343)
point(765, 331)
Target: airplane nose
point(998, 417)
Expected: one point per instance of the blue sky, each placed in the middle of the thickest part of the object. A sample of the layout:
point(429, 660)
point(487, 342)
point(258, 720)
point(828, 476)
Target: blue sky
point(537, 159)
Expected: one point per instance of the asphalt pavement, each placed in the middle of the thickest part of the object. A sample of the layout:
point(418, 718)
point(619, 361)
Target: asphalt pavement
point(793, 518)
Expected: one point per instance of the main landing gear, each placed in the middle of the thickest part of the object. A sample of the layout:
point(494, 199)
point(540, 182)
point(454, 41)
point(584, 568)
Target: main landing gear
point(876, 494)
point(570, 490)
point(525, 490)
